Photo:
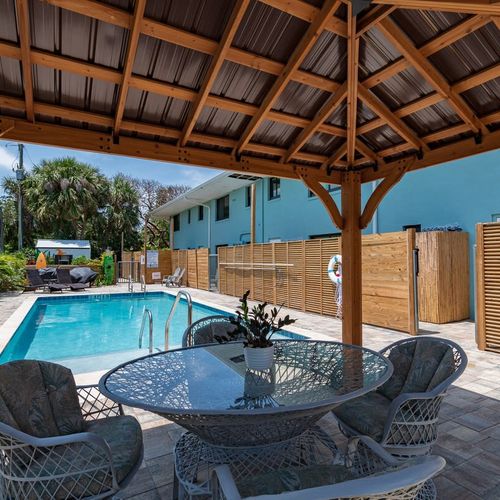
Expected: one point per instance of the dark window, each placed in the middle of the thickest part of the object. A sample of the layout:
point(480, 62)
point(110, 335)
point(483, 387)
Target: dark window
point(310, 194)
point(333, 188)
point(201, 212)
point(189, 216)
point(222, 208)
point(274, 188)
point(323, 236)
point(248, 196)
point(177, 222)
point(417, 227)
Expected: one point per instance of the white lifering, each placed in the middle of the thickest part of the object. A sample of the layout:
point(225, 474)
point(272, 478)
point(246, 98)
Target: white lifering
point(335, 269)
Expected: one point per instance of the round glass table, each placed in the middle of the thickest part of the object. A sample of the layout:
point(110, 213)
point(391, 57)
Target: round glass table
point(209, 391)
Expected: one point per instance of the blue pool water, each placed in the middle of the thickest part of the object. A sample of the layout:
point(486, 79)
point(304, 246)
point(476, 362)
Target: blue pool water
point(96, 332)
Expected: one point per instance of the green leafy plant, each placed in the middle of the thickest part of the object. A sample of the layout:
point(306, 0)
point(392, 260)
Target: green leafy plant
point(12, 273)
point(256, 324)
point(80, 261)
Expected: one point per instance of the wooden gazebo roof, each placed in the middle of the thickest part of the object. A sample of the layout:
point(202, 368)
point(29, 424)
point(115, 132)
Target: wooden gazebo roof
point(265, 86)
point(327, 91)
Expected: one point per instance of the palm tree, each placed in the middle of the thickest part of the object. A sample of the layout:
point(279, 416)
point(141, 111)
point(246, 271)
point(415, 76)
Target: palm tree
point(63, 194)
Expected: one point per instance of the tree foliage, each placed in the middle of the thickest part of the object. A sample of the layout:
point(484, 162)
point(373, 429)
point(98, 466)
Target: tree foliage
point(68, 199)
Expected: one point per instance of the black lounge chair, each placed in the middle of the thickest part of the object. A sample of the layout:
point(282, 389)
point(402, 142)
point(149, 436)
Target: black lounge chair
point(64, 279)
point(36, 282)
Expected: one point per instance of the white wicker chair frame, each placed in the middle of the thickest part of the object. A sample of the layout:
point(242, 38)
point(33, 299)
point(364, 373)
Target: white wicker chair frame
point(25, 460)
point(411, 427)
point(203, 331)
point(378, 475)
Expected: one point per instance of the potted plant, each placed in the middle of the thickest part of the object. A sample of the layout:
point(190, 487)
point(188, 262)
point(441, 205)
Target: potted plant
point(257, 326)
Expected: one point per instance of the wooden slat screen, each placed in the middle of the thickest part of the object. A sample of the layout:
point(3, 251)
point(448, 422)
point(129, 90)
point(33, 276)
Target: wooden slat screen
point(294, 274)
point(488, 286)
point(196, 264)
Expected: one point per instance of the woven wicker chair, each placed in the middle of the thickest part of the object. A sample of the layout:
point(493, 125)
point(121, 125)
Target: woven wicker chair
point(60, 441)
point(204, 330)
point(403, 414)
point(366, 471)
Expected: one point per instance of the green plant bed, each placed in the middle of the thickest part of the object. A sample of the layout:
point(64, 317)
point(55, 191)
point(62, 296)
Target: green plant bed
point(12, 273)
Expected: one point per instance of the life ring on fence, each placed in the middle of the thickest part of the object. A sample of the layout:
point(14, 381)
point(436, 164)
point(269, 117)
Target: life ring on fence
point(335, 269)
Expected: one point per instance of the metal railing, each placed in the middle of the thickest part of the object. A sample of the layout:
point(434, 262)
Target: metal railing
point(130, 284)
point(178, 297)
point(147, 313)
point(143, 283)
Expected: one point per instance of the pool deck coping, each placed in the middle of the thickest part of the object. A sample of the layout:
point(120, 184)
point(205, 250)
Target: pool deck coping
point(9, 328)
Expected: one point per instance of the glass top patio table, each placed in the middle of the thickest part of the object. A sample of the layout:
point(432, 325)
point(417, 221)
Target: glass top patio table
point(208, 389)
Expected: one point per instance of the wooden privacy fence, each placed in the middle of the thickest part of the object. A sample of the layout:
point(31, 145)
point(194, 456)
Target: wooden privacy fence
point(151, 274)
point(196, 263)
point(488, 286)
point(295, 274)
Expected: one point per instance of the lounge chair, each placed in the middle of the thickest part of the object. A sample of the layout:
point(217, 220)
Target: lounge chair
point(36, 282)
point(402, 415)
point(176, 280)
point(60, 441)
point(204, 330)
point(170, 277)
point(64, 278)
point(365, 471)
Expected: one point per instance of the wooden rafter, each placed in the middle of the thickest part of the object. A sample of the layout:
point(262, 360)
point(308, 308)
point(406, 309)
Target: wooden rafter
point(377, 106)
point(367, 152)
point(326, 110)
point(372, 17)
point(379, 194)
point(193, 41)
point(133, 42)
point(404, 45)
point(486, 7)
point(293, 64)
point(337, 155)
point(237, 14)
point(445, 39)
point(325, 198)
point(23, 20)
point(352, 84)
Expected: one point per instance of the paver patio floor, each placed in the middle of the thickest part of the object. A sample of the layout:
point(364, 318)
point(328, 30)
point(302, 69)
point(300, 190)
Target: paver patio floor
point(469, 436)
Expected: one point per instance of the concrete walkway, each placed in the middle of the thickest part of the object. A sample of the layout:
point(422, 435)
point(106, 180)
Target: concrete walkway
point(469, 437)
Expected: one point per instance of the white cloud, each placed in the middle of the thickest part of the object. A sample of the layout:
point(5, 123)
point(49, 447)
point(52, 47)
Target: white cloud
point(7, 160)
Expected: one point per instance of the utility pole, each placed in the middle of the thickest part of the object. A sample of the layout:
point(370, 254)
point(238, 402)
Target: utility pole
point(20, 178)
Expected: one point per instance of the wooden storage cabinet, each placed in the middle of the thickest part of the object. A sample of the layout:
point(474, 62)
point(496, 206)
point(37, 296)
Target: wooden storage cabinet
point(443, 279)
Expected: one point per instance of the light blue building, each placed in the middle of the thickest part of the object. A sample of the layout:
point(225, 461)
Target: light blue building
point(285, 210)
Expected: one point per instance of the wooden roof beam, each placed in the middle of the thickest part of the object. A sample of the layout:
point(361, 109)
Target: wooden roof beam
point(193, 41)
point(326, 110)
point(372, 18)
point(352, 83)
point(377, 106)
point(23, 20)
point(232, 26)
point(299, 54)
point(337, 156)
point(133, 42)
point(405, 46)
point(445, 39)
point(485, 7)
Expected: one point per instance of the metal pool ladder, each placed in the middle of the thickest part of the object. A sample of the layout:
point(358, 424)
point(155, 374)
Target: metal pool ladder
point(189, 301)
point(147, 313)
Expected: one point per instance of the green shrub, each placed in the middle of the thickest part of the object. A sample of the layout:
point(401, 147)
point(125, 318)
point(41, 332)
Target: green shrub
point(12, 272)
point(80, 261)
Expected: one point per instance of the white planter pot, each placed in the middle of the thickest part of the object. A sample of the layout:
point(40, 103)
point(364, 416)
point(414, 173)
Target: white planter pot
point(259, 358)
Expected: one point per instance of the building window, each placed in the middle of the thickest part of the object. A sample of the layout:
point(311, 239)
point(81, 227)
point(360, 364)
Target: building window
point(177, 222)
point(248, 196)
point(189, 216)
point(310, 194)
point(274, 188)
point(201, 212)
point(333, 188)
point(222, 208)
point(495, 217)
point(417, 227)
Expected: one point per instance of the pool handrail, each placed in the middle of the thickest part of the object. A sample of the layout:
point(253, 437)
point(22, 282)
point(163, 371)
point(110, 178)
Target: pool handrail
point(148, 313)
point(189, 300)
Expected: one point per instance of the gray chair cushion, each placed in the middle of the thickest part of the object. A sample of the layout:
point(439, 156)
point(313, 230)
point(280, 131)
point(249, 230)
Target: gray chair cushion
point(276, 482)
point(39, 398)
point(124, 436)
point(401, 357)
point(366, 414)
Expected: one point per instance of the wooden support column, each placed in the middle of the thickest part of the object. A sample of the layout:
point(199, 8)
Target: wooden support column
point(252, 213)
point(352, 327)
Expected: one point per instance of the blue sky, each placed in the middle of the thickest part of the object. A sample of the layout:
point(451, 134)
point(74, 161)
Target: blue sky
point(166, 173)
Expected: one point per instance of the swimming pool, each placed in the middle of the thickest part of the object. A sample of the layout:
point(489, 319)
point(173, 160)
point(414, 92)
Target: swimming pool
point(96, 332)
